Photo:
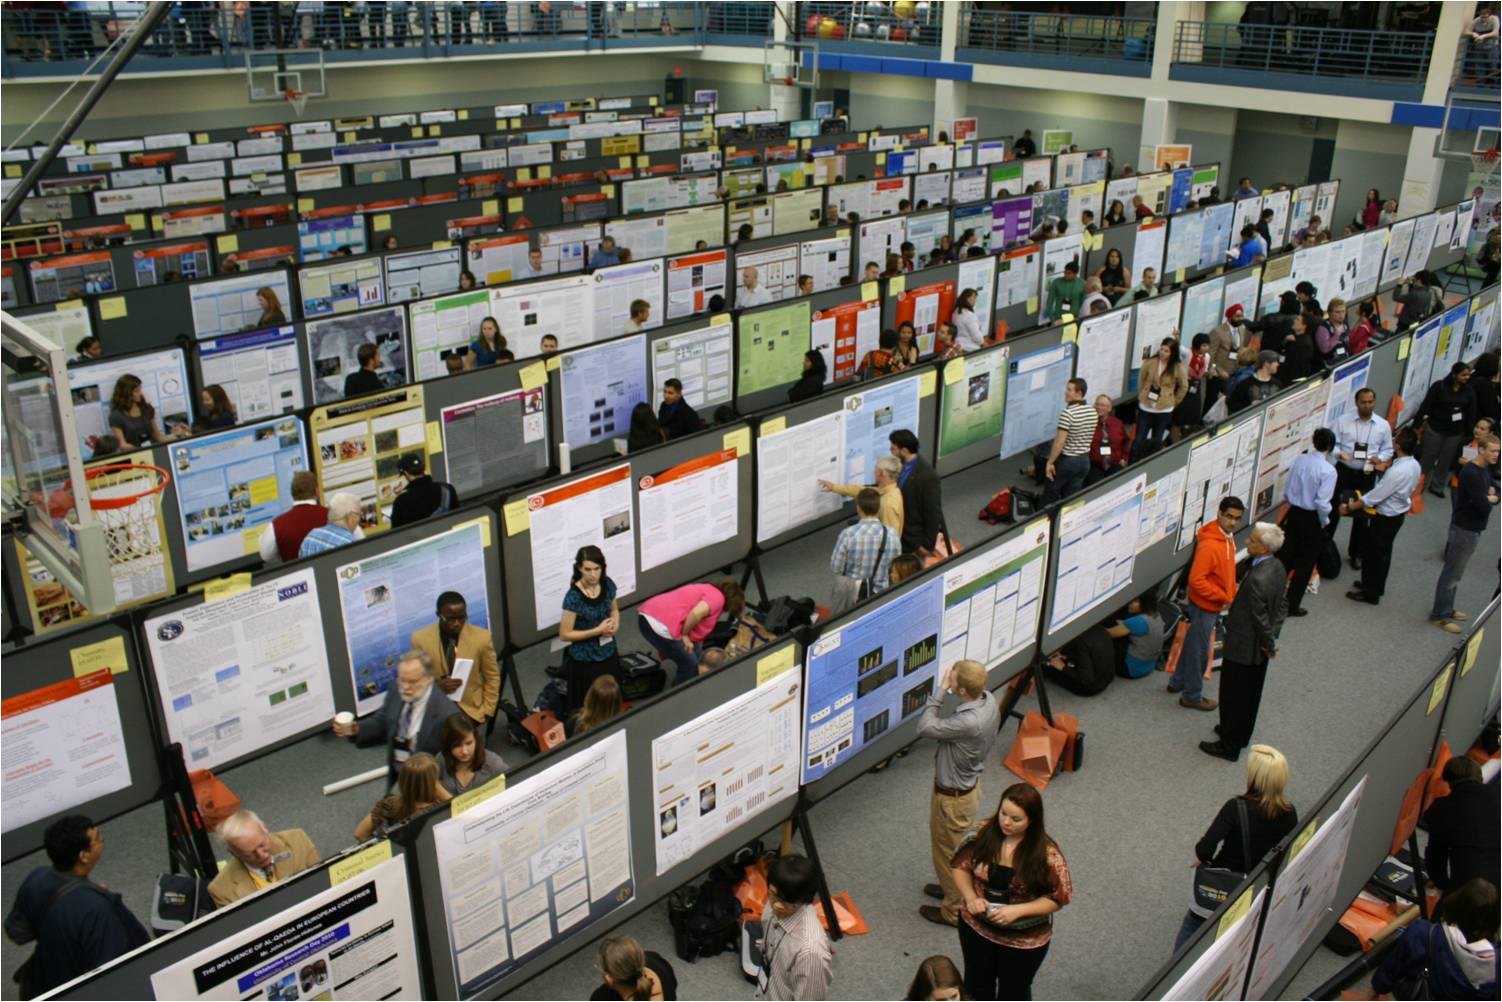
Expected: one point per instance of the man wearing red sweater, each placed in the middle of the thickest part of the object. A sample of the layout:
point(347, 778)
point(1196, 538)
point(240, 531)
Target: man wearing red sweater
point(281, 539)
point(1212, 586)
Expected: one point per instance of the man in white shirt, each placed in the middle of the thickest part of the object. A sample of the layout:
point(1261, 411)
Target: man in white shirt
point(535, 267)
point(1389, 502)
point(1363, 448)
point(641, 310)
point(752, 292)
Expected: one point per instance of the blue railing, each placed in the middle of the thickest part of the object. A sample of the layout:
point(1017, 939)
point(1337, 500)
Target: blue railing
point(1351, 62)
point(748, 23)
point(1079, 42)
point(54, 39)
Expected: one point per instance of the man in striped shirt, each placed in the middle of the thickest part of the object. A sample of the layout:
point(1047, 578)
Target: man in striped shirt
point(796, 960)
point(1069, 456)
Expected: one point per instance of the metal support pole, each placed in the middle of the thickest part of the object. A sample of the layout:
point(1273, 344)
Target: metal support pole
point(141, 31)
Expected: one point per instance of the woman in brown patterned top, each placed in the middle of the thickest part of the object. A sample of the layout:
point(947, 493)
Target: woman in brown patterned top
point(1013, 878)
point(417, 789)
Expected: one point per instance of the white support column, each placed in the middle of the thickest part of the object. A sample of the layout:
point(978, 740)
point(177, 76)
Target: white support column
point(1169, 14)
point(950, 96)
point(1423, 170)
point(1160, 124)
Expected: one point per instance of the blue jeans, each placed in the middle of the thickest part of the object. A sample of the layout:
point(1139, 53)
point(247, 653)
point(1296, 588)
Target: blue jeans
point(1069, 476)
point(1189, 674)
point(1458, 550)
point(1150, 425)
point(1187, 928)
point(686, 664)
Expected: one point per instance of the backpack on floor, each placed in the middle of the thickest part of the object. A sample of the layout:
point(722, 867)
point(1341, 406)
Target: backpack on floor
point(706, 919)
point(999, 508)
point(642, 676)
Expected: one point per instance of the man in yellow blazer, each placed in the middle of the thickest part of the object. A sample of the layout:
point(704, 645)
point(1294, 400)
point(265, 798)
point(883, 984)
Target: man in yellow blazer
point(452, 639)
point(258, 857)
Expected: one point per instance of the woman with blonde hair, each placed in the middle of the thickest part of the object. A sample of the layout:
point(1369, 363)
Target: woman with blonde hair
point(1247, 827)
point(602, 704)
point(633, 973)
point(417, 789)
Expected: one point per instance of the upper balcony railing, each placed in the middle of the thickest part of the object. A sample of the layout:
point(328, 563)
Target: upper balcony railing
point(1388, 65)
point(61, 39)
point(1084, 43)
point(886, 29)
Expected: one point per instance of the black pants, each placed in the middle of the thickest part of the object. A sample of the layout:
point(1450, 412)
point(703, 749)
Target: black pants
point(998, 972)
point(578, 676)
point(1303, 536)
point(1378, 556)
point(1348, 479)
point(1240, 697)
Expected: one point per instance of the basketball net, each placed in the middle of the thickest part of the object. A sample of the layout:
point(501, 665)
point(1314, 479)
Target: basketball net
point(1484, 162)
point(298, 99)
point(126, 498)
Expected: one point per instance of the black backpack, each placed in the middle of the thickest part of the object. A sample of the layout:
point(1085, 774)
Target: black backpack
point(787, 613)
point(706, 919)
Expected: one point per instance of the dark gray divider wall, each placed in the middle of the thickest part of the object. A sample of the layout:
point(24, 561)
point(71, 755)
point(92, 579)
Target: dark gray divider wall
point(155, 316)
point(41, 663)
point(259, 238)
point(451, 391)
point(517, 548)
point(1472, 699)
point(834, 400)
point(773, 396)
point(641, 725)
point(1122, 237)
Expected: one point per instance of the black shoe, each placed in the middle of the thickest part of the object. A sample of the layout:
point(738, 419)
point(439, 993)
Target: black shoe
point(1220, 749)
point(1217, 728)
point(1298, 612)
point(1357, 595)
point(934, 891)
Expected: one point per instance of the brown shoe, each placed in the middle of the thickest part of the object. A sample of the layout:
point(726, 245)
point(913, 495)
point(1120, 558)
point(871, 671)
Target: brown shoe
point(935, 914)
point(934, 891)
point(1203, 703)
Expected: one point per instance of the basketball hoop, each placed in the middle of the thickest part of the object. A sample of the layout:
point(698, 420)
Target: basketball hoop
point(298, 99)
point(1484, 162)
point(126, 498)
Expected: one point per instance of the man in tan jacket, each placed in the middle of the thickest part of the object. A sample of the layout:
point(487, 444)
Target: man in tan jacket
point(888, 469)
point(452, 640)
point(258, 857)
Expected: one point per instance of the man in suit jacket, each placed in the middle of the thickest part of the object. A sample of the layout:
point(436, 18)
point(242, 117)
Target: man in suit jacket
point(923, 515)
point(452, 639)
point(258, 857)
point(1252, 626)
point(410, 720)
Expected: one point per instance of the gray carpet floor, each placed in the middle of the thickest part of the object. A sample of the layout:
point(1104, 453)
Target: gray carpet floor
point(1126, 822)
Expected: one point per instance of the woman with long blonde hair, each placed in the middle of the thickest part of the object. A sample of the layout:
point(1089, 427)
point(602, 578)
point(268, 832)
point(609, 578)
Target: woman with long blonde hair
point(417, 789)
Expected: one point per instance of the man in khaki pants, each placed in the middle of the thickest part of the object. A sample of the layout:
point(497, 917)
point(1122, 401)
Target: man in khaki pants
point(965, 738)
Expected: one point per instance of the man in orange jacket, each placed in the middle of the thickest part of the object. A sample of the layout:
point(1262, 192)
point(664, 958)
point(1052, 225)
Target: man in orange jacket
point(1212, 586)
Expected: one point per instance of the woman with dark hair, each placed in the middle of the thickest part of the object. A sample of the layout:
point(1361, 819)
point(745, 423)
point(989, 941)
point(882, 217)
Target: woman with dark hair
point(487, 346)
point(132, 418)
point(417, 789)
point(645, 431)
point(1013, 878)
point(271, 308)
point(465, 763)
point(1446, 414)
point(1191, 409)
point(969, 331)
point(937, 980)
point(1456, 957)
point(907, 343)
point(811, 383)
point(676, 623)
point(1299, 354)
point(214, 410)
point(589, 622)
point(1162, 385)
point(882, 360)
point(1371, 211)
point(1115, 277)
point(1484, 386)
point(1115, 214)
point(904, 567)
point(467, 280)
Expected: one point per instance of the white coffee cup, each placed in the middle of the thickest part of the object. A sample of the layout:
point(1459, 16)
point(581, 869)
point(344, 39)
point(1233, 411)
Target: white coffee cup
point(344, 718)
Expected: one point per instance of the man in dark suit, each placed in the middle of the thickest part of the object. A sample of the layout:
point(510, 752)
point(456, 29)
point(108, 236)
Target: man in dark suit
point(1462, 828)
point(923, 514)
point(1252, 626)
point(411, 719)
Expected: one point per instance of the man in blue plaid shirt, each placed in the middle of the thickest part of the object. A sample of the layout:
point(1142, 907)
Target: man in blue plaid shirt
point(863, 554)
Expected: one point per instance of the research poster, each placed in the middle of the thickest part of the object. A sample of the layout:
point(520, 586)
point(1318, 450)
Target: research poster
point(772, 343)
point(688, 507)
point(1185, 232)
point(334, 345)
point(974, 400)
point(826, 260)
point(1288, 432)
point(495, 440)
point(49, 603)
point(869, 675)
point(702, 360)
point(724, 768)
point(692, 280)
point(65, 746)
point(239, 674)
point(617, 287)
point(1017, 273)
point(600, 386)
point(1104, 341)
point(1346, 381)
point(993, 601)
point(790, 462)
point(1035, 396)
point(352, 941)
point(1162, 501)
point(530, 311)
point(231, 484)
point(926, 307)
point(386, 598)
point(1202, 309)
point(164, 384)
point(357, 446)
point(440, 326)
point(542, 858)
point(1401, 237)
point(1421, 354)
point(1097, 550)
point(259, 370)
point(1157, 318)
point(1224, 465)
point(844, 333)
point(1148, 247)
point(1220, 971)
point(870, 418)
point(593, 510)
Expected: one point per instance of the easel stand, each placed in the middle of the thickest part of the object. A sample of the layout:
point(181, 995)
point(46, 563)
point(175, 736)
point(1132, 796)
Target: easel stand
point(188, 846)
point(752, 571)
point(507, 658)
point(799, 819)
point(1018, 687)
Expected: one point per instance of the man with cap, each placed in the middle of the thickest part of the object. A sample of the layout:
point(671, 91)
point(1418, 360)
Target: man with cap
point(1262, 385)
point(423, 496)
point(1226, 339)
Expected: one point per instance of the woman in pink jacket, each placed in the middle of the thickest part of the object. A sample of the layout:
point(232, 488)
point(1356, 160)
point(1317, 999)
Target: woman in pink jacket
point(676, 622)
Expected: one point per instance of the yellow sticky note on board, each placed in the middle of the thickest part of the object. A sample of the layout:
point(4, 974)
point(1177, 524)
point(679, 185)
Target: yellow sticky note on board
point(896, 284)
point(514, 204)
point(1178, 276)
point(200, 137)
point(294, 159)
point(516, 123)
point(68, 304)
point(470, 798)
point(1403, 347)
point(544, 171)
point(463, 114)
point(881, 158)
point(416, 132)
point(306, 205)
point(156, 222)
point(1032, 305)
point(483, 522)
point(739, 440)
point(555, 363)
point(112, 308)
point(928, 381)
point(870, 291)
point(608, 190)
point(1472, 648)
point(96, 657)
point(136, 220)
point(954, 371)
point(12, 170)
point(777, 663)
point(804, 143)
point(357, 863)
point(380, 224)
point(861, 136)
point(227, 586)
point(263, 490)
point(524, 173)
point(442, 244)
point(250, 540)
point(490, 207)
point(1235, 913)
point(435, 130)
point(349, 137)
point(1070, 335)
point(1297, 846)
point(718, 319)
point(643, 160)
point(533, 375)
point(1441, 686)
point(517, 517)
point(773, 425)
point(228, 243)
point(435, 438)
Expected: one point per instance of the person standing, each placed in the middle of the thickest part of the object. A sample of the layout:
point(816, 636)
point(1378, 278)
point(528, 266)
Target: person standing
point(1013, 877)
point(965, 739)
point(411, 716)
point(77, 925)
point(1065, 293)
point(282, 538)
point(589, 623)
point(629, 972)
point(1388, 503)
point(1309, 492)
point(1212, 588)
point(888, 469)
point(1462, 828)
point(1259, 386)
point(1069, 454)
point(922, 502)
point(1252, 628)
point(796, 959)
point(969, 332)
point(422, 497)
point(1363, 446)
point(452, 641)
point(675, 415)
point(640, 316)
point(1470, 509)
point(1446, 414)
point(863, 554)
point(1162, 385)
point(1109, 447)
point(365, 379)
point(752, 292)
